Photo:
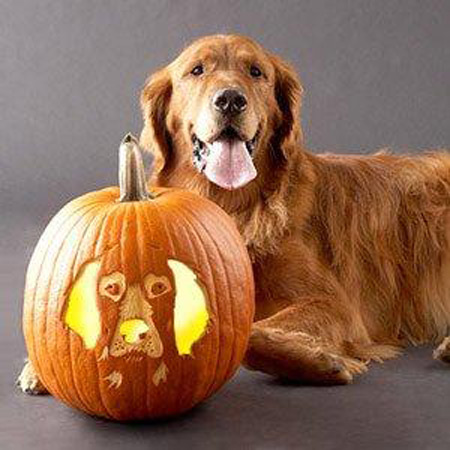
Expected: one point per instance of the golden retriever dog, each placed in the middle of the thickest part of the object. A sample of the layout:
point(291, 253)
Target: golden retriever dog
point(351, 254)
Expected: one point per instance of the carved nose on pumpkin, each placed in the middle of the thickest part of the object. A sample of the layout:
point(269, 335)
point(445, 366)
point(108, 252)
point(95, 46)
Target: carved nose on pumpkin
point(134, 330)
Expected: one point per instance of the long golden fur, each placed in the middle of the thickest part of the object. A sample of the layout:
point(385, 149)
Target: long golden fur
point(351, 253)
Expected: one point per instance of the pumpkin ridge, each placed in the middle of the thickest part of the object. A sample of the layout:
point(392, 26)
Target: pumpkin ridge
point(131, 218)
point(210, 388)
point(218, 307)
point(184, 228)
point(84, 218)
point(113, 210)
point(126, 220)
point(120, 221)
point(232, 233)
point(242, 255)
point(76, 265)
point(147, 370)
point(147, 228)
point(113, 214)
point(194, 232)
point(140, 231)
point(158, 212)
point(43, 246)
point(172, 236)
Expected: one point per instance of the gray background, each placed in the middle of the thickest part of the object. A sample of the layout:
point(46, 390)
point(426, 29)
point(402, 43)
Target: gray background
point(376, 74)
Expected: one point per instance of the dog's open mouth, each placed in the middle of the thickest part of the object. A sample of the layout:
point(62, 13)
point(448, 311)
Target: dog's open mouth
point(227, 160)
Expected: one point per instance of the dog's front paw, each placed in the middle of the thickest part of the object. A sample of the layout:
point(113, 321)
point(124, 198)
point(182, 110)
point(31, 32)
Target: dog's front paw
point(29, 382)
point(443, 351)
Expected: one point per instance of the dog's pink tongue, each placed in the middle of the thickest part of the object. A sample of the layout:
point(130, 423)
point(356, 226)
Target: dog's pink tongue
point(229, 164)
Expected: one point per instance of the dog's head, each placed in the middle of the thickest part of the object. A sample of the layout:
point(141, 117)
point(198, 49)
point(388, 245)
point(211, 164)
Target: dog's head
point(224, 112)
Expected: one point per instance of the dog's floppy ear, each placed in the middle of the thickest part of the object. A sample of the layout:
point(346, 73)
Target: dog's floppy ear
point(288, 93)
point(155, 98)
point(82, 314)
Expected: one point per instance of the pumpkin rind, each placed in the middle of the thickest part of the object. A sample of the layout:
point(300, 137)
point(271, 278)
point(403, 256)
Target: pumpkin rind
point(138, 238)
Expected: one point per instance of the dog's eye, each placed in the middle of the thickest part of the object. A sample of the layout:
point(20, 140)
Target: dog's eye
point(158, 288)
point(255, 72)
point(113, 286)
point(197, 70)
point(156, 285)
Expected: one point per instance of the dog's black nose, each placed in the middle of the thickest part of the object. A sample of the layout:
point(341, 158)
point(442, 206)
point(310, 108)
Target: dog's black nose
point(229, 101)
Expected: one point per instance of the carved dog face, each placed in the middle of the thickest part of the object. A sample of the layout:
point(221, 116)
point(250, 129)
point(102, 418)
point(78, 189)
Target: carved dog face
point(133, 302)
point(135, 330)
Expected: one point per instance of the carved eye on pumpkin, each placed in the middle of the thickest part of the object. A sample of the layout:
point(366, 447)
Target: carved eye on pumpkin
point(113, 286)
point(156, 286)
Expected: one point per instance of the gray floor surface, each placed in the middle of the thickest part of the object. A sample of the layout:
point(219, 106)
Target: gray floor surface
point(402, 404)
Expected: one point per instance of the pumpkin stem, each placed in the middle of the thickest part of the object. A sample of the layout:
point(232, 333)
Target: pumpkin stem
point(131, 171)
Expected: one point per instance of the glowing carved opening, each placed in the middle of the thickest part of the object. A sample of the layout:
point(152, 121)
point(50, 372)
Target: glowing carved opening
point(191, 314)
point(132, 330)
point(82, 314)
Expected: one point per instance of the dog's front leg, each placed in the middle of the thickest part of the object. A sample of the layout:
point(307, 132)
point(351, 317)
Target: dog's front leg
point(29, 382)
point(443, 351)
point(304, 342)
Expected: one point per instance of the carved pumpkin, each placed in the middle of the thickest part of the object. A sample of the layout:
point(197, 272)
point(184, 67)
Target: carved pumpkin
point(137, 304)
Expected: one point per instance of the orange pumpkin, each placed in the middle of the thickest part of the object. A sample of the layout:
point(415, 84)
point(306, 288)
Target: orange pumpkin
point(137, 304)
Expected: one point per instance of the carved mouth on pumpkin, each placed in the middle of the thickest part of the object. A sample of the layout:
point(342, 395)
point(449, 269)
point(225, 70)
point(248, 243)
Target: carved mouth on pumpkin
point(134, 357)
point(227, 160)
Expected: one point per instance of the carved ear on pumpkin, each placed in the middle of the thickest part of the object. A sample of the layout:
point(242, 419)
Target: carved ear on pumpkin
point(191, 313)
point(82, 314)
point(155, 137)
point(288, 93)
